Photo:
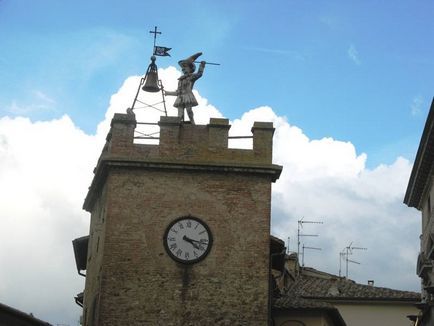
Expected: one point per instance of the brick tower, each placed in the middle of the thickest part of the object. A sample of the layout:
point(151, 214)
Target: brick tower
point(146, 262)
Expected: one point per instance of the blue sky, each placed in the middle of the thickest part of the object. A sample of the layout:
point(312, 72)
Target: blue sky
point(347, 84)
point(349, 70)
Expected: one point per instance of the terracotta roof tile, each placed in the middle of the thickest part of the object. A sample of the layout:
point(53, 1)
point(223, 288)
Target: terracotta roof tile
point(293, 302)
point(297, 302)
point(339, 288)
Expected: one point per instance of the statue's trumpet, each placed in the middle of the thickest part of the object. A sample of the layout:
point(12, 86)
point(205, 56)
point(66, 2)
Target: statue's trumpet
point(209, 63)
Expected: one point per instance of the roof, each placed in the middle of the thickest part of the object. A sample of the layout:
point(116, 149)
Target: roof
point(423, 164)
point(314, 290)
point(12, 316)
point(297, 303)
point(312, 284)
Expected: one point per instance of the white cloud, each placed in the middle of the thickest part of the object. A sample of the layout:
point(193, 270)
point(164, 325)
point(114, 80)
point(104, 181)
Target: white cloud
point(43, 97)
point(46, 167)
point(353, 54)
point(20, 109)
point(39, 101)
point(416, 105)
point(326, 180)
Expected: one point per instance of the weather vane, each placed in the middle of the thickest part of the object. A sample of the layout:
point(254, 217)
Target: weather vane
point(159, 50)
point(185, 100)
point(150, 82)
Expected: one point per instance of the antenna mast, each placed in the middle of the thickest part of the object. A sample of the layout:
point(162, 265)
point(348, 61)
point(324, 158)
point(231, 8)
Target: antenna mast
point(305, 247)
point(344, 254)
point(299, 235)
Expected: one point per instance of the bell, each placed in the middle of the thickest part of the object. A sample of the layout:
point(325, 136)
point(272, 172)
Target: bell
point(151, 78)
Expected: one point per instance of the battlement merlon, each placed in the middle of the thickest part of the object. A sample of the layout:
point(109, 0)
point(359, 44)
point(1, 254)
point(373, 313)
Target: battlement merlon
point(184, 147)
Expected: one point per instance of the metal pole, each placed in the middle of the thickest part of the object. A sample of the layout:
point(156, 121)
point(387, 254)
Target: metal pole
point(142, 81)
point(298, 241)
point(346, 260)
point(303, 257)
point(162, 94)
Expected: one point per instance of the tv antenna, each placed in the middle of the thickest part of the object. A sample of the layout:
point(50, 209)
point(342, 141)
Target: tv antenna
point(299, 235)
point(306, 247)
point(344, 255)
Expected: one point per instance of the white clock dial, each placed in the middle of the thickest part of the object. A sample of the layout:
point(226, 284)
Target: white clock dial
point(187, 240)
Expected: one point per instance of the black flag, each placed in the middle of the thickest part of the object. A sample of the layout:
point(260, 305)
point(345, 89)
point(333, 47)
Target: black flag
point(162, 51)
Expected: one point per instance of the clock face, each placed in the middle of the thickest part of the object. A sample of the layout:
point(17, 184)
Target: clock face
point(187, 240)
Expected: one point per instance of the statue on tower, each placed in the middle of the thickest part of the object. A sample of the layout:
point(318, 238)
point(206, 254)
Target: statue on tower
point(184, 94)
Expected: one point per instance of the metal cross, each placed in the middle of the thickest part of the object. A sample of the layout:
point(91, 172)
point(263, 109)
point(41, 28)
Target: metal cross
point(155, 32)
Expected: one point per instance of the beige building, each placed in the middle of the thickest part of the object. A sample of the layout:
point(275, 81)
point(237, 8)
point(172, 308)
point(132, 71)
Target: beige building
point(420, 195)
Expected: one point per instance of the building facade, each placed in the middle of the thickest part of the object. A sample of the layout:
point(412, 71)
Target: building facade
point(420, 195)
point(177, 228)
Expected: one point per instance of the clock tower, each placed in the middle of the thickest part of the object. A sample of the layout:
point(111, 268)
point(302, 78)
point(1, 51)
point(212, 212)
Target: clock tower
point(180, 231)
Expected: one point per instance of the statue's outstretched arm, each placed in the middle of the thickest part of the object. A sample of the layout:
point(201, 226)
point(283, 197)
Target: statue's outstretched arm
point(200, 70)
point(175, 93)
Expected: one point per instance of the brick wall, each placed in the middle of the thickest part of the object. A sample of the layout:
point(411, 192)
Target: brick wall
point(142, 188)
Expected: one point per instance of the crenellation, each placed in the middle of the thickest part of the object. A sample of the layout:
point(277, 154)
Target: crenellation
point(186, 142)
point(169, 134)
point(218, 131)
point(263, 140)
point(121, 137)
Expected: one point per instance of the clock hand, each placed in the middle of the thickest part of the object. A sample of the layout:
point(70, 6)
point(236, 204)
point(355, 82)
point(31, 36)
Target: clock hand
point(199, 244)
point(193, 242)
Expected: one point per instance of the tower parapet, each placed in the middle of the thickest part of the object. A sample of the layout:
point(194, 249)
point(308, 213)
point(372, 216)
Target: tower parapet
point(195, 147)
point(199, 143)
